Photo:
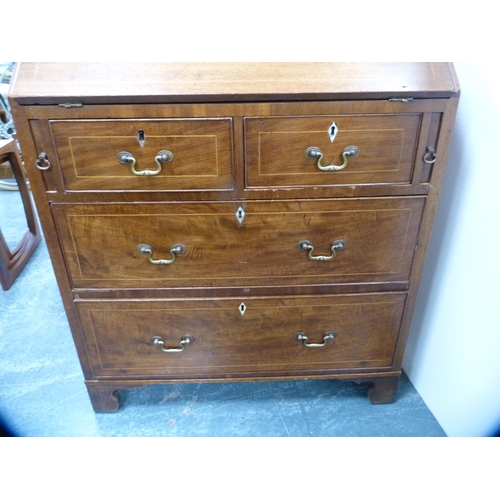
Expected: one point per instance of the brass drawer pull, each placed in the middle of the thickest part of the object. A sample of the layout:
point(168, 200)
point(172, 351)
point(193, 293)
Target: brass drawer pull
point(176, 249)
point(307, 246)
point(128, 158)
point(302, 337)
point(42, 162)
point(161, 343)
point(430, 156)
point(349, 152)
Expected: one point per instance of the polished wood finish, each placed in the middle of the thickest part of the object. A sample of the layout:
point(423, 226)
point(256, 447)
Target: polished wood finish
point(99, 242)
point(104, 399)
point(12, 261)
point(383, 390)
point(202, 154)
point(44, 83)
point(95, 213)
point(276, 149)
point(41, 117)
point(226, 342)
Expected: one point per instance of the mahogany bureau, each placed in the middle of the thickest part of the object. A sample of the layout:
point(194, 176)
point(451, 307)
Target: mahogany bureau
point(236, 222)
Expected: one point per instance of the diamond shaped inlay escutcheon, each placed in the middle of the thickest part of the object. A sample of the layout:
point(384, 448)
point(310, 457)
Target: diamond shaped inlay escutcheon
point(333, 131)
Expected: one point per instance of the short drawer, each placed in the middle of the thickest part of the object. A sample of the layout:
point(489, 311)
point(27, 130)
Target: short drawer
point(241, 337)
point(145, 155)
point(276, 149)
point(204, 244)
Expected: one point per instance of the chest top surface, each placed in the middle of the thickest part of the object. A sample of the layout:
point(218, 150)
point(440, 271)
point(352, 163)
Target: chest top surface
point(92, 83)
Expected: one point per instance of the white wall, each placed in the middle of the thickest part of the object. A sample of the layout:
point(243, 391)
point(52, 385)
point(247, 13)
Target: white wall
point(453, 354)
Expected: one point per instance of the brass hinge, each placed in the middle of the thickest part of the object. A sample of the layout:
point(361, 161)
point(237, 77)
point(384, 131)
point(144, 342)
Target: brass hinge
point(71, 105)
point(401, 99)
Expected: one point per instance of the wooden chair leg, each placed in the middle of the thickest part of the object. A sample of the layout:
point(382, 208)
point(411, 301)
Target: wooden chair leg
point(12, 262)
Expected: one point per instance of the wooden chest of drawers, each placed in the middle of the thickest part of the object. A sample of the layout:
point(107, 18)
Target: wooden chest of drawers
point(225, 222)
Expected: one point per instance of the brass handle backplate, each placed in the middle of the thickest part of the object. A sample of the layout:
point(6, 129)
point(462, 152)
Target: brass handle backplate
point(42, 162)
point(186, 340)
point(176, 249)
point(308, 247)
point(314, 153)
point(128, 159)
point(302, 337)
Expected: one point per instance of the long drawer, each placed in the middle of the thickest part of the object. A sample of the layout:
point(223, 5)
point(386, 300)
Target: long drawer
point(225, 244)
point(241, 336)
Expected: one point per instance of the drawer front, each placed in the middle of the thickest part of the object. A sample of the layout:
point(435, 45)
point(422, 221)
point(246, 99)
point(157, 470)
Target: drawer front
point(276, 149)
point(367, 240)
point(361, 330)
point(201, 152)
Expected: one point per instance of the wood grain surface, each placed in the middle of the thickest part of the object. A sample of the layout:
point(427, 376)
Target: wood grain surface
point(99, 242)
point(238, 132)
point(225, 342)
point(46, 83)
